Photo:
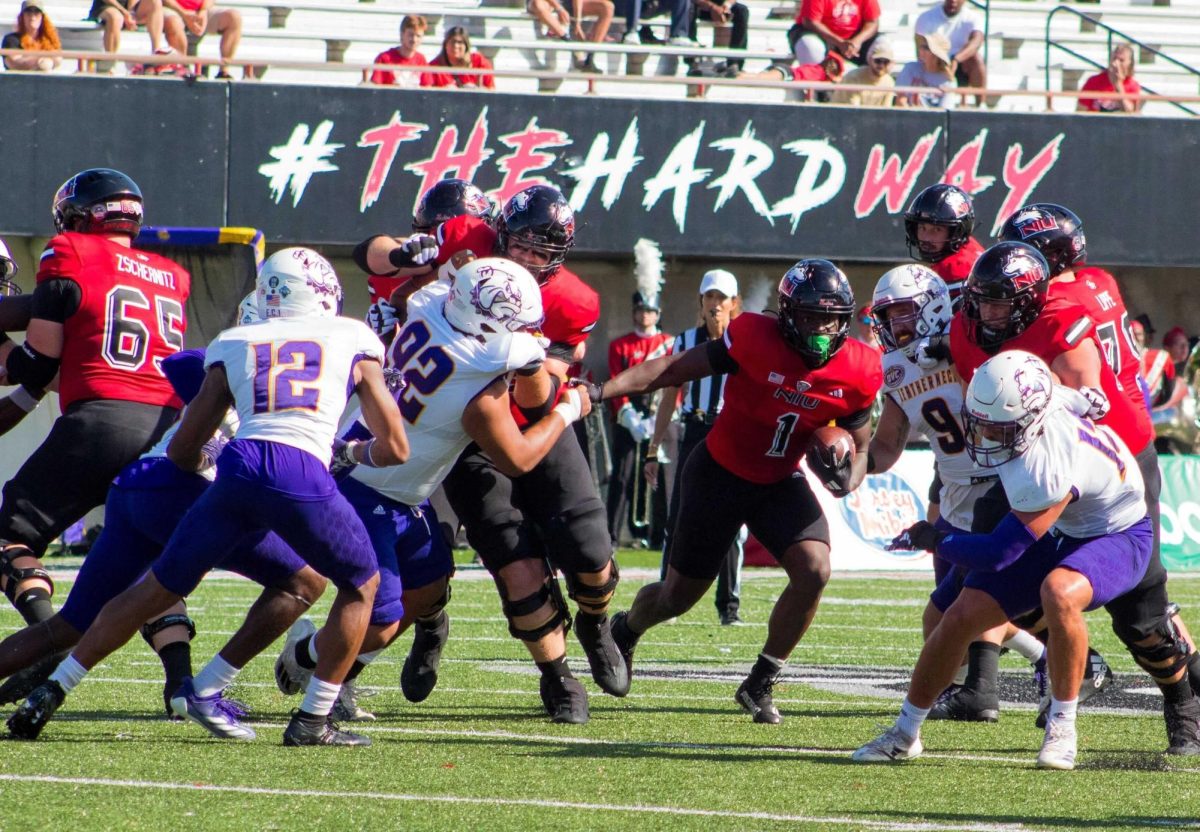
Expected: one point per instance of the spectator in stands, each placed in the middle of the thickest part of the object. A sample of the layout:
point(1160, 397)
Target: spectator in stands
point(931, 69)
point(559, 22)
point(34, 33)
point(201, 17)
point(412, 32)
point(831, 70)
point(456, 52)
point(1166, 389)
point(877, 73)
point(963, 28)
point(1177, 345)
point(116, 15)
point(843, 26)
point(1117, 78)
point(636, 11)
point(721, 13)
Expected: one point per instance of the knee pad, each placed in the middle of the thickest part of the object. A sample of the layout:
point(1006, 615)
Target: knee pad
point(547, 594)
point(13, 575)
point(151, 628)
point(498, 538)
point(593, 598)
point(1167, 657)
point(578, 538)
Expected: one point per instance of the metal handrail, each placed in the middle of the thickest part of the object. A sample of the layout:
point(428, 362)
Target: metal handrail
point(1111, 31)
point(986, 5)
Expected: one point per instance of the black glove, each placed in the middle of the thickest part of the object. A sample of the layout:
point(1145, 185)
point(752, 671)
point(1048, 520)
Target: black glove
point(343, 462)
point(921, 535)
point(833, 473)
point(595, 392)
point(417, 250)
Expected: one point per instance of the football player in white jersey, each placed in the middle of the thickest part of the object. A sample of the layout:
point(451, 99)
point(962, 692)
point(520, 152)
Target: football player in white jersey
point(460, 345)
point(288, 377)
point(1077, 537)
point(912, 308)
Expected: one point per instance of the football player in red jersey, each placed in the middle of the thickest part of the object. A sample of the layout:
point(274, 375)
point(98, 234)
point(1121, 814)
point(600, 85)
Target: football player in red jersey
point(552, 513)
point(937, 227)
point(103, 318)
point(1007, 304)
point(785, 378)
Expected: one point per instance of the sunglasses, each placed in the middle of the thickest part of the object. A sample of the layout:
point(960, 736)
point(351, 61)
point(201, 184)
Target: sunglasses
point(881, 61)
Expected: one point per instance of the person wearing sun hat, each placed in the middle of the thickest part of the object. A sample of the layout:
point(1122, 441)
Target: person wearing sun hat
point(34, 34)
point(931, 69)
point(876, 73)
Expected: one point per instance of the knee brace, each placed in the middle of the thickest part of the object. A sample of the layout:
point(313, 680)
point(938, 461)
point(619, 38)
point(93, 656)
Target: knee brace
point(593, 598)
point(152, 628)
point(547, 595)
point(1167, 657)
point(13, 575)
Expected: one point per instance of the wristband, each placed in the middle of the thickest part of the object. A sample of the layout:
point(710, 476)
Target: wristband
point(23, 399)
point(367, 459)
point(570, 408)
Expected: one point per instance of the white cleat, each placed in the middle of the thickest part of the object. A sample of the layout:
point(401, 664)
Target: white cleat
point(290, 677)
point(347, 709)
point(1059, 747)
point(892, 746)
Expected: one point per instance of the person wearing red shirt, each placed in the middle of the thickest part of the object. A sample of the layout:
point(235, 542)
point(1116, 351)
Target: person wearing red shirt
point(200, 17)
point(1164, 387)
point(844, 26)
point(1117, 78)
point(456, 52)
point(785, 377)
point(104, 317)
point(831, 69)
point(412, 32)
point(551, 515)
point(937, 228)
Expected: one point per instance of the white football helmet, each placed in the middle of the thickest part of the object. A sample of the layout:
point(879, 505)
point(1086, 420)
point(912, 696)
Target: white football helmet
point(8, 268)
point(926, 307)
point(247, 311)
point(297, 282)
point(492, 296)
point(1005, 406)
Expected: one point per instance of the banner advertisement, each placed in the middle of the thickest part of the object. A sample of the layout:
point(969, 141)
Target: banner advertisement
point(1180, 506)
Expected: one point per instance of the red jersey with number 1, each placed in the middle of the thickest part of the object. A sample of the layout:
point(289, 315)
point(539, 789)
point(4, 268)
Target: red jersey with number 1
point(1061, 327)
point(774, 401)
point(130, 318)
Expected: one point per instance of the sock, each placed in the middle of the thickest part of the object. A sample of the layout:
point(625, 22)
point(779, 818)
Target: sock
point(319, 697)
point(1177, 692)
point(628, 634)
point(34, 605)
point(910, 719)
point(766, 667)
point(1062, 711)
point(983, 666)
point(217, 675)
point(306, 653)
point(1027, 645)
point(556, 668)
point(960, 678)
point(176, 659)
point(360, 664)
point(68, 674)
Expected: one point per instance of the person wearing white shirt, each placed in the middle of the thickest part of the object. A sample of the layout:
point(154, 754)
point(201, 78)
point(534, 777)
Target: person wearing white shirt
point(962, 27)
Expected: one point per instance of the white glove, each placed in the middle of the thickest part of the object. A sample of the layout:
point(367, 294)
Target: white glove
point(1088, 402)
point(211, 450)
point(931, 351)
point(417, 250)
point(645, 428)
point(381, 317)
point(629, 419)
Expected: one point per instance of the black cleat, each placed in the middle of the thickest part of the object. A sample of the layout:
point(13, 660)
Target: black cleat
point(1096, 678)
point(1183, 727)
point(754, 695)
point(319, 731)
point(22, 683)
point(625, 639)
point(964, 704)
point(420, 673)
point(565, 699)
point(609, 668)
point(29, 719)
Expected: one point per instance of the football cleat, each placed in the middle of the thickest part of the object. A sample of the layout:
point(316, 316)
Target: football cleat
point(609, 670)
point(420, 673)
point(319, 731)
point(1058, 748)
point(22, 683)
point(892, 746)
point(347, 709)
point(33, 714)
point(625, 639)
point(964, 704)
point(215, 714)
point(754, 695)
point(290, 677)
point(1183, 727)
point(565, 699)
point(1097, 677)
point(731, 619)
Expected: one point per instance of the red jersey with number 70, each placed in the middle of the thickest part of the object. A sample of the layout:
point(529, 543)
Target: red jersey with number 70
point(774, 401)
point(130, 318)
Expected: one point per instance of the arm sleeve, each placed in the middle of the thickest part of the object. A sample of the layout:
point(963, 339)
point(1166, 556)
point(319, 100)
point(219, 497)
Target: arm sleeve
point(720, 359)
point(56, 299)
point(988, 552)
point(359, 255)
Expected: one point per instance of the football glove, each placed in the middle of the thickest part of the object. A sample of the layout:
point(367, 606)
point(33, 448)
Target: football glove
point(931, 351)
point(417, 250)
point(833, 474)
point(381, 317)
point(594, 391)
point(343, 461)
point(921, 535)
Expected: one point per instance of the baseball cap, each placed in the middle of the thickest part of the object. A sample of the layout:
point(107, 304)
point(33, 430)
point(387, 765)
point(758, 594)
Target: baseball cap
point(939, 45)
point(33, 5)
point(881, 48)
point(721, 280)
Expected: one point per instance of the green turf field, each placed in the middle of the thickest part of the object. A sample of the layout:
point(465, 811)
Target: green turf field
point(676, 754)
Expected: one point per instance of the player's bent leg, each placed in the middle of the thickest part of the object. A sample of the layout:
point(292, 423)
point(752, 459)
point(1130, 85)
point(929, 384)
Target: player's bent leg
point(34, 642)
point(431, 630)
point(170, 636)
point(593, 591)
point(25, 582)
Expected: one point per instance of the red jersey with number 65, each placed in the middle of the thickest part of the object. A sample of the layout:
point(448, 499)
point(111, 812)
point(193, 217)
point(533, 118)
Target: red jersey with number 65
point(1096, 291)
point(130, 318)
point(774, 401)
point(1061, 327)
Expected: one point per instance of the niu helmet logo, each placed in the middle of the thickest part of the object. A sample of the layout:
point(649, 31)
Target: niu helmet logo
point(1023, 270)
point(1034, 221)
point(957, 203)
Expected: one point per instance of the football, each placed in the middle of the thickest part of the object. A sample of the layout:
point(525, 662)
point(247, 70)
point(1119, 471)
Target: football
point(828, 448)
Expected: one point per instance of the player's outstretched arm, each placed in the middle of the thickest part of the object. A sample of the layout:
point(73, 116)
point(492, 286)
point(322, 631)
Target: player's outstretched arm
point(201, 419)
point(15, 312)
point(379, 410)
point(666, 371)
point(488, 420)
point(16, 406)
point(891, 434)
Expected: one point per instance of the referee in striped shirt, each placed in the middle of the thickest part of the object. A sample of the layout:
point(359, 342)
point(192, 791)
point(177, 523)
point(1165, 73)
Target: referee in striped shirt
point(699, 402)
